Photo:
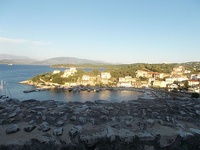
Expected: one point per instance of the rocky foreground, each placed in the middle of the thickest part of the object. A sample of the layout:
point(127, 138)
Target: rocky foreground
point(158, 124)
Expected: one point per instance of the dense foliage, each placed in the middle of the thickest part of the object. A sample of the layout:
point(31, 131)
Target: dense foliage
point(129, 70)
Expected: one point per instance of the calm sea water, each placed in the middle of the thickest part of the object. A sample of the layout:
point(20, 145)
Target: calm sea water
point(12, 75)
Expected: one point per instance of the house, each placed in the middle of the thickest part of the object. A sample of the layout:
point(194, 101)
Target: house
point(153, 75)
point(173, 86)
point(195, 76)
point(181, 78)
point(129, 79)
point(105, 75)
point(161, 84)
point(121, 79)
point(56, 71)
point(193, 82)
point(141, 73)
point(178, 70)
point(169, 80)
point(124, 84)
point(86, 77)
point(126, 81)
point(88, 80)
point(69, 72)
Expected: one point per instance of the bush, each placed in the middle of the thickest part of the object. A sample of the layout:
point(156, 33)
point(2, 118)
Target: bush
point(195, 95)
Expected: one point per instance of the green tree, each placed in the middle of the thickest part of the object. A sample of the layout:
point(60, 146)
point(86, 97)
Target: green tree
point(186, 85)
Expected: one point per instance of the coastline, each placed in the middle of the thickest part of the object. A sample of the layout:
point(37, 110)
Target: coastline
point(141, 124)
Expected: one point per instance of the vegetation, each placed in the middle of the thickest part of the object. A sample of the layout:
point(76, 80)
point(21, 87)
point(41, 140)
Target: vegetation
point(116, 71)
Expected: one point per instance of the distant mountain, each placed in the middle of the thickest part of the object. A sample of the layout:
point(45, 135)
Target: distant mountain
point(68, 60)
point(14, 59)
point(11, 57)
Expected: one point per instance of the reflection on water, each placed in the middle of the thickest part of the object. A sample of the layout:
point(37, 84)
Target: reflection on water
point(83, 96)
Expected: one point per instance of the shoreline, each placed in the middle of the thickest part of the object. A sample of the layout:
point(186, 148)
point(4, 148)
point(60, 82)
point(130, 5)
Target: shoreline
point(159, 123)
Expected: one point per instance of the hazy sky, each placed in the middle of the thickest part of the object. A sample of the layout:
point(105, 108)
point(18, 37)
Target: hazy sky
point(124, 31)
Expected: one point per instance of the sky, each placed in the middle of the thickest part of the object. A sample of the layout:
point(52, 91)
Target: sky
point(115, 31)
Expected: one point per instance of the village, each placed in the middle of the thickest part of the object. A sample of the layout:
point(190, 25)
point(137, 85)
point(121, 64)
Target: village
point(179, 80)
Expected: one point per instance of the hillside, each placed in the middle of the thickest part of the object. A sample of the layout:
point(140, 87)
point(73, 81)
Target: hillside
point(13, 59)
point(68, 60)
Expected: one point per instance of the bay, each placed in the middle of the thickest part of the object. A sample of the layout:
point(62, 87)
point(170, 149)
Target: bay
point(13, 74)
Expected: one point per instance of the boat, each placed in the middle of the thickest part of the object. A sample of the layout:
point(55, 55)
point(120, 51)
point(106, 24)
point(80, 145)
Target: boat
point(10, 64)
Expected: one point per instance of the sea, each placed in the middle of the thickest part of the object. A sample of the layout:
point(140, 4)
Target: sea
point(11, 75)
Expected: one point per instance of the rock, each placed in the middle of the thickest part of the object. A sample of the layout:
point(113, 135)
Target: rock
point(103, 117)
point(44, 117)
point(195, 131)
point(83, 108)
point(1, 121)
point(82, 120)
point(142, 125)
point(58, 131)
point(145, 136)
point(128, 112)
point(185, 135)
point(101, 102)
point(110, 134)
point(161, 121)
point(33, 111)
point(40, 113)
point(29, 128)
point(12, 115)
point(126, 135)
point(52, 113)
point(128, 123)
point(18, 110)
point(166, 141)
point(183, 113)
point(31, 122)
point(61, 113)
point(150, 122)
point(44, 126)
point(155, 114)
point(197, 106)
point(12, 129)
point(43, 139)
point(198, 112)
point(104, 111)
point(91, 140)
point(168, 119)
point(60, 123)
point(167, 135)
point(73, 118)
point(75, 131)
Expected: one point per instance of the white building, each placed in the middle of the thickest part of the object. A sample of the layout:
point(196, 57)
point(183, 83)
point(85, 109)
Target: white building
point(169, 80)
point(161, 84)
point(105, 75)
point(69, 72)
point(141, 73)
point(85, 77)
point(56, 71)
point(124, 84)
point(193, 82)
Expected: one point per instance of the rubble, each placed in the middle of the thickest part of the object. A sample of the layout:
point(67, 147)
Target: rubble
point(135, 124)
